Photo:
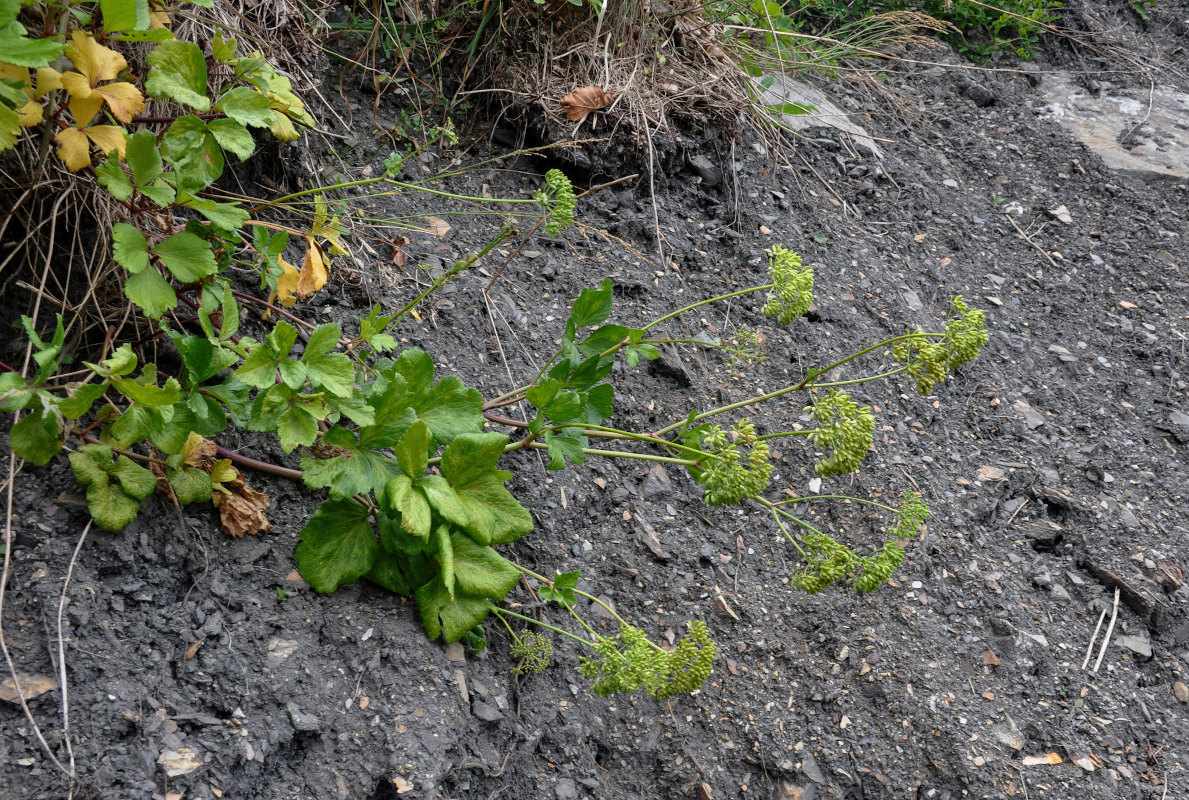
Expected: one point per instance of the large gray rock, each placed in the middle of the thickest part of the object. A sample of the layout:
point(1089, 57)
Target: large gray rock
point(1137, 131)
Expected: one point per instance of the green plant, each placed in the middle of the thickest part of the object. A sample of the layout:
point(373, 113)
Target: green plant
point(416, 500)
point(1007, 24)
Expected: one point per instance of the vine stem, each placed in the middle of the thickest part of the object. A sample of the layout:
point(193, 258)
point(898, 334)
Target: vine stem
point(707, 301)
point(595, 451)
point(813, 497)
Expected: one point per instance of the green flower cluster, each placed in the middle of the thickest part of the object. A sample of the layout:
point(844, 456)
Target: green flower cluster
point(845, 428)
point(747, 350)
point(534, 652)
point(879, 566)
point(792, 285)
point(829, 561)
point(929, 360)
point(728, 479)
point(628, 661)
point(557, 200)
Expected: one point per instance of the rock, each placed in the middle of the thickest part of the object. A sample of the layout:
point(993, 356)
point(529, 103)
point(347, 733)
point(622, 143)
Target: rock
point(566, 789)
point(1136, 643)
point(1132, 131)
point(301, 720)
point(811, 770)
point(786, 790)
point(805, 106)
point(455, 652)
point(486, 712)
point(179, 762)
point(669, 365)
point(1061, 213)
point(913, 300)
point(1059, 592)
point(1007, 733)
point(978, 94)
point(710, 174)
point(1032, 418)
point(31, 686)
point(1181, 692)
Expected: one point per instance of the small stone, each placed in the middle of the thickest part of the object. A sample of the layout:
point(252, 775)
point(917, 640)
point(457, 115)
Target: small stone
point(179, 762)
point(566, 789)
point(402, 786)
point(811, 770)
point(1181, 692)
point(1062, 213)
point(1007, 733)
point(455, 652)
point(1138, 643)
point(1059, 592)
point(486, 711)
point(301, 720)
point(913, 300)
point(950, 182)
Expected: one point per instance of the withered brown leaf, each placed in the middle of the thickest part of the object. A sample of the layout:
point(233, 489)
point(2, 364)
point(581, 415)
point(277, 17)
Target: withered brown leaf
point(241, 509)
point(580, 102)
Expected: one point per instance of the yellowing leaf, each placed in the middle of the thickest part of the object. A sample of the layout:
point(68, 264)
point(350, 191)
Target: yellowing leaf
point(437, 226)
point(30, 112)
point(84, 109)
point(124, 99)
point(107, 138)
point(93, 60)
point(315, 269)
point(287, 284)
point(48, 80)
point(74, 148)
point(74, 144)
point(158, 20)
point(76, 85)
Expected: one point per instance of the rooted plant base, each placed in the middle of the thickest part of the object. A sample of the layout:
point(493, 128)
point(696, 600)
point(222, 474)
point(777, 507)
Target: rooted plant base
point(1054, 466)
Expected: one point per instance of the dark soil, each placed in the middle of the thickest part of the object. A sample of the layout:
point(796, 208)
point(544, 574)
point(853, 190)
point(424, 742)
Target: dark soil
point(1055, 465)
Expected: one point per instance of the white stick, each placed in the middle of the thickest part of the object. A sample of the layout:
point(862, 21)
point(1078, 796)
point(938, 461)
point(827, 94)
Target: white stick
point(1093, 638)
point(1109, 628)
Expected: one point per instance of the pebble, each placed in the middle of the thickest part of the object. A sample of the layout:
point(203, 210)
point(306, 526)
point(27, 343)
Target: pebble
point(486, 711)
point(301, 720)
point(1181, 692)
point(566, 789)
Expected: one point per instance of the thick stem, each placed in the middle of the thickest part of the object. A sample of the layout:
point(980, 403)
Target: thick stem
point(708, 301)
point(261, 466)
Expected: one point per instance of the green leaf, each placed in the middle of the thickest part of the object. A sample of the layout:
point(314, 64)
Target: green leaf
point(564, 447)
point(112, 177)
point(450, 409)
point(37, 437)
point(9, 10)
point(417, 368)
point(562, 592)
point(408, 503)
point(190, 485)
point(151, 292)
point(481, 571)
point(84, 396)
point(337, 545)
point(188, 257)
point(359, 471)
point(171, 436)
point(386, 572)
point(143, 157)
point(232, 136)
point(224, 216)
point(134, 425)
point(296, 426)
point(129, 247)
point(222, 49)
point(15, 393)
point(16, 48)
point(159, 192)
point(603, 339)
point(178, 73)
point(124, 15)
point(149, 394)
point(446, 616)
point(443, 499)
point(600, 403)
point(330, 371)
point(136, 481)
point(195, 155)
point(445, 553)
point(543, 393)
point(412, 452)
point(246, 106)
point(468, 465)
point(121, 362)
point(45, 354)
point(592, 306)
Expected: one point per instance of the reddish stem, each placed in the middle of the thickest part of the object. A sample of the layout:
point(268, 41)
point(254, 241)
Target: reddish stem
point(262, 466)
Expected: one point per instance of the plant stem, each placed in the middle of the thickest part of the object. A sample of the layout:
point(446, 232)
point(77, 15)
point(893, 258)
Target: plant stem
point(594, 451)
point(811, 498)
point(500, 611)
point(260, 466)
point(708, 301)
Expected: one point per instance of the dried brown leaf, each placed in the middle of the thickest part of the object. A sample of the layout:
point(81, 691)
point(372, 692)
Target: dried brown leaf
point(241, 509)
point(438, 227)
point(580, 102)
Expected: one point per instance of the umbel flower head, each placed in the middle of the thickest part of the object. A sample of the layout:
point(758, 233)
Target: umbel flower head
point(628, 661)
point(845, 428)
point(728, 478)
point(929, 360)
point(792, 285)
point(557, 200)
point(533, 651)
